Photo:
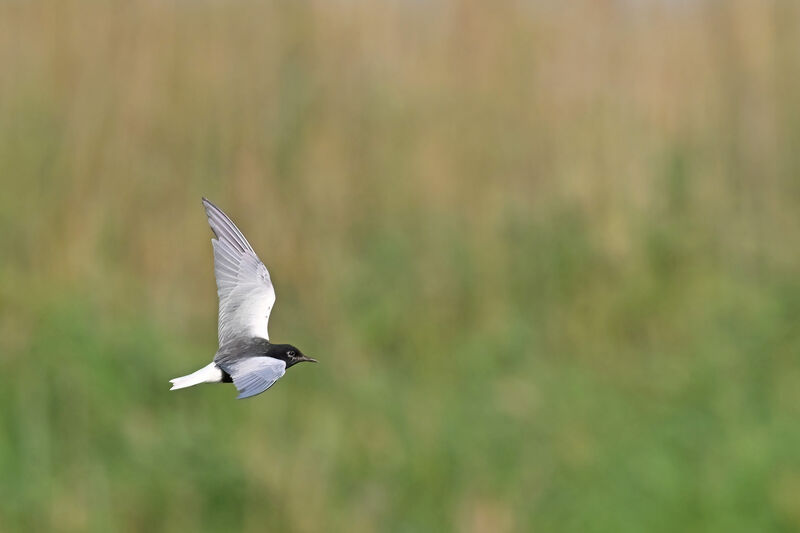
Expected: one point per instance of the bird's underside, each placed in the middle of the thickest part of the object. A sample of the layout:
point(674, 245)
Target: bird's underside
point(250, 376)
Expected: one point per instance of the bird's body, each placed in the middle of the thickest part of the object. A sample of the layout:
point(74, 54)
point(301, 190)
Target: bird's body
point(245, 356)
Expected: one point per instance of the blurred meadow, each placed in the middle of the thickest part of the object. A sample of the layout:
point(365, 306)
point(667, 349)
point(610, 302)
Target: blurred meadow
point(548, 254)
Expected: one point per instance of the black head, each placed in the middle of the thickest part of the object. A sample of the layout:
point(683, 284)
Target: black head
point(288, 353)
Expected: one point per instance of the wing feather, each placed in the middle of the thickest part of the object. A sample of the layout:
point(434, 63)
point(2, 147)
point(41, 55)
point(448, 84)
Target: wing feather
point(244, 288)
point(254, 375)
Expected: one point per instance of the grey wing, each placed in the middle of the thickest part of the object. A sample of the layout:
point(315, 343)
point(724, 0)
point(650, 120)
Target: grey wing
point(245, 291)
point(254, 375)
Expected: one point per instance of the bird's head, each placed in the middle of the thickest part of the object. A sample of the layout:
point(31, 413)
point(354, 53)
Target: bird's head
point(288, 353)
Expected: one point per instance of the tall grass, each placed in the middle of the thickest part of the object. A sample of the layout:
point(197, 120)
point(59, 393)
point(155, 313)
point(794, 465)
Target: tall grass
point(547, 254)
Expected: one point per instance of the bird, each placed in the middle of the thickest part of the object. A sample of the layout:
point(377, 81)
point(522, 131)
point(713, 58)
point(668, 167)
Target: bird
point(245, 356)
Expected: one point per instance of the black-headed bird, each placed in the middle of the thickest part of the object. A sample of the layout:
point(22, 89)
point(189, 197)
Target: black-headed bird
point(245, 356)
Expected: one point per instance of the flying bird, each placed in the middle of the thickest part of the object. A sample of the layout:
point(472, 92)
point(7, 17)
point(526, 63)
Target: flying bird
point(245, 356)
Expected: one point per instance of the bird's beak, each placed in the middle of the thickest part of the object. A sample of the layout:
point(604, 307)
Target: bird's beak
point(304, 358)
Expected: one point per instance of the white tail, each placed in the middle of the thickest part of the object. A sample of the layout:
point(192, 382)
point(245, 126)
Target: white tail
point(208, 374)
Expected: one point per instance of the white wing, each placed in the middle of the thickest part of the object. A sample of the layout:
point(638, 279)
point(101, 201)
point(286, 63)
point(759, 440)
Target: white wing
point(245, 291)
point(254, 375)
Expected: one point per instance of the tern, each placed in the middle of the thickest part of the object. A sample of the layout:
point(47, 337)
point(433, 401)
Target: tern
point(245, 356)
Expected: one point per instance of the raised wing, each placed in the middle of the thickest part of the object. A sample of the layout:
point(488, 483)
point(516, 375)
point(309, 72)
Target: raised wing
point(254, 375)
point(245, 291)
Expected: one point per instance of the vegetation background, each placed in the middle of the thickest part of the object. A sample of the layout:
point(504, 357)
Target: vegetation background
point(548, 254)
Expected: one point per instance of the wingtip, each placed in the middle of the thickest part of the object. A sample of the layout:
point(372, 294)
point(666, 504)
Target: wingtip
point(209, 207)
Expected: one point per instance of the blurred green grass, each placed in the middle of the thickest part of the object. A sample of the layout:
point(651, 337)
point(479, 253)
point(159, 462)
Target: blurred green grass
point(547, 255)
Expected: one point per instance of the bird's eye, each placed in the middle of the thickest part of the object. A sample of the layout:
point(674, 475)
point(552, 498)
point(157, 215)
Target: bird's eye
point(290, 353)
